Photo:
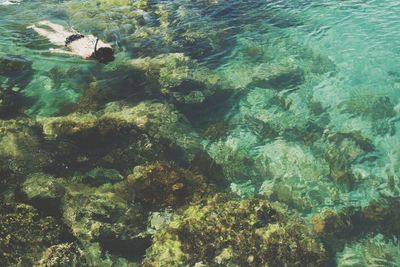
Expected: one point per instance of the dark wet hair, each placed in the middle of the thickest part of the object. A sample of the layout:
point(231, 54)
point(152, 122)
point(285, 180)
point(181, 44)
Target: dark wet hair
point(72, 38)
point(104, 54)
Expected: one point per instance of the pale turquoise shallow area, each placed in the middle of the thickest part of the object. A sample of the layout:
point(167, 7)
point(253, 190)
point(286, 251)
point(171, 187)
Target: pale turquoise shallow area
point(323, 135)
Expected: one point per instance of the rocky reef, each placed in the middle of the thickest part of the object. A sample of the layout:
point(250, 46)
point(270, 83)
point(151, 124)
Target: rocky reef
point(202, 144)
point(162, 185)
point(25, 234)
point(374, 250)
point(223, 231)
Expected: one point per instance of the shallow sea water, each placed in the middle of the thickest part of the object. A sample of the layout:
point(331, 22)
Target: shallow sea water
point(312, 116)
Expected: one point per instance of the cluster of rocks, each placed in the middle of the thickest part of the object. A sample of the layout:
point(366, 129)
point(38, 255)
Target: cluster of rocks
point(133, 171)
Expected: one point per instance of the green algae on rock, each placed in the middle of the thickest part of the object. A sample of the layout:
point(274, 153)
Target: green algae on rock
point(163, 185)
point(65, 254)
point(12, 103)
point(24, 234)
point(44, 192)
point(161, 122)
point(350, 223)
point(93, 212)
point(41, 186)
point(14, 64)
point(184, 81)
point(221, 231)
point(99, 176)
point(102, 220)
point(20, 151)
point(374, 250)
point(342, 150)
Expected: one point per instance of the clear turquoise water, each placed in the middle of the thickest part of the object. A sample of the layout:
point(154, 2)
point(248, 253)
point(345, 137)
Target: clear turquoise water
point(348, 53)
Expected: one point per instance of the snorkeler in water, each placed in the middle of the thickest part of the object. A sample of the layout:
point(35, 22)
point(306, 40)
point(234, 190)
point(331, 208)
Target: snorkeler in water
point(85, 46)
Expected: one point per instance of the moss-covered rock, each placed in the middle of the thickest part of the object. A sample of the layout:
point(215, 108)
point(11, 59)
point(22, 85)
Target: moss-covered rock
point(338, 227)
point(222, 231)
point(161, 122)
point(13, 64)
point(106, 17)
point(20, 151)
point(62, 255)
point(99, 176)
point(101, 217)
point(44, 192)
point(373, 250)
point(92, 212)
point(161, 185)
point(182, 79)
point(12, 103)
point(341, 151)
point(41, 186)
point(378, 109)
point(24, 234)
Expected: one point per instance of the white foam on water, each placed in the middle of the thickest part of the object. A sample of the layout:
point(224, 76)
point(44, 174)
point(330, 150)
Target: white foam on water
point(8, 2)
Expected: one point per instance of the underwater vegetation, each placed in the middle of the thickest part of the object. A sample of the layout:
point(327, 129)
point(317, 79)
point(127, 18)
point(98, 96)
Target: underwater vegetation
point(224, 133)
point(223, 231)
point(371, 251)
point(24, 234)
point(161, 185)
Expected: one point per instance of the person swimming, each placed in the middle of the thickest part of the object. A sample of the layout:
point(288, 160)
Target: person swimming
point(87, 47)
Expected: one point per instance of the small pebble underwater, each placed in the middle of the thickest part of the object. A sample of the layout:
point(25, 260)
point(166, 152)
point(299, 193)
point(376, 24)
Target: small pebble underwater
point(224, 133)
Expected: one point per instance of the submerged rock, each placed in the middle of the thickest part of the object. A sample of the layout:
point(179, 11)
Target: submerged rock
point(44, 192)
point(12, 103)
point(99, 176)
point(371, 251)
point(93, 213)
point(14, 65)
point(337, 228)
point(15, 74)
point(41, 186)
point(234, 156)
point(62, 255)
point(223, 231)
point(378, 109)
point(24, 234)
point(181, 79)
point(161, 122)
point(279, 78)
point(164, 185)
point(21, 151)
point(297, 177)
point(341, 151)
